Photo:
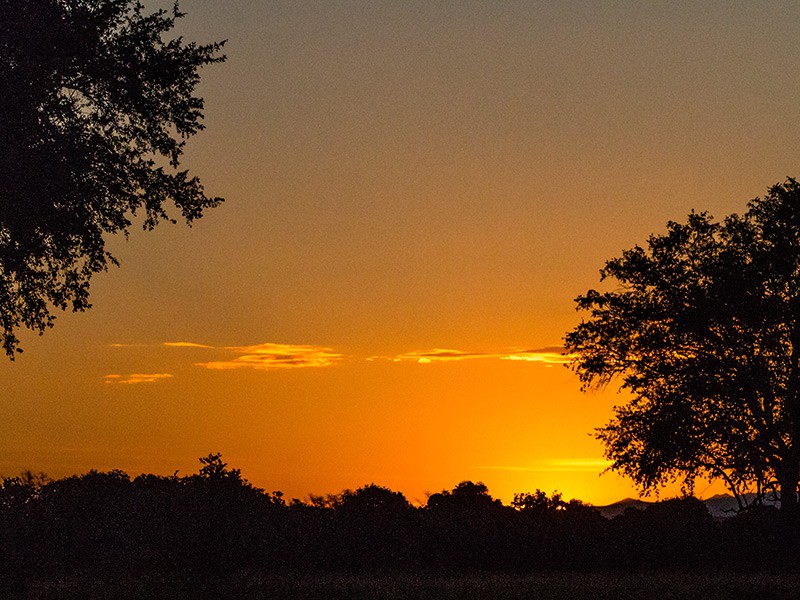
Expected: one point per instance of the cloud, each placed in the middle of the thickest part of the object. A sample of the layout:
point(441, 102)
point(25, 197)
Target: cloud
point(269, 356)
point(132, 378)
point(265, 357)
point(128, 345)
point(185, 345)
point(261, 357)
point(578, 464)
point(438, 355)
point(549, 355)
point(167, 344)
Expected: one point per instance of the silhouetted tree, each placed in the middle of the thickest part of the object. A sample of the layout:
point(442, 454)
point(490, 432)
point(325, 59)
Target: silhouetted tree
point(552, 533)
point(83, 519)
point(95, 107)
point(465, 499)
point(678, 532)
point(325, 501)
point(466, 529)
point(230, 517)
point(213, 528)
point(702, 328)
point(214, 470)
point(17, 495)
point(18, 490)
point(374, 528)
point(538, 502)
point(373, 501)
point(756, 538)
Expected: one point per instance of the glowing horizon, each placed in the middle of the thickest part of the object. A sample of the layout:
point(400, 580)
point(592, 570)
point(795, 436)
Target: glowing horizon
point(415, 194)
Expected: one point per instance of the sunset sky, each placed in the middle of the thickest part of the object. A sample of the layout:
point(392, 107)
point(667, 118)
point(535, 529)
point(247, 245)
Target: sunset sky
point(415, 192)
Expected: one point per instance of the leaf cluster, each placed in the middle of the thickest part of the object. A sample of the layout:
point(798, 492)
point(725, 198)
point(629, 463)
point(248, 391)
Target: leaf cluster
point(703, 330)
point(96, 105)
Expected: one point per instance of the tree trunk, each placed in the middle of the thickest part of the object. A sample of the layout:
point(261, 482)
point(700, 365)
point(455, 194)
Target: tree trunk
point(788, 480)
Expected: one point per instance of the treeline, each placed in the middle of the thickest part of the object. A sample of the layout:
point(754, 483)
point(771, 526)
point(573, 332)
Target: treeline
point(216, 523)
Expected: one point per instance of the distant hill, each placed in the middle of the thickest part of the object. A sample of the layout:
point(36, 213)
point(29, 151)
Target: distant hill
point(721, 506)
point(617, 508)
point(724, 505)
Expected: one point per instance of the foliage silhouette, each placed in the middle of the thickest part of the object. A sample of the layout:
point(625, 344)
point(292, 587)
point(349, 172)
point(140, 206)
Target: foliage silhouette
point(95, 108)
point(467, 498)
point(466, 529)
point(674, 533)
point(538, 502)
point(553, 533)
point(374, 526)
point(213, 530)
point(374, 501)
point(703, 330)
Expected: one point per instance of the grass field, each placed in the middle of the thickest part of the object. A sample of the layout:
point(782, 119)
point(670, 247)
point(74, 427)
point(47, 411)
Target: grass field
point(660, 586)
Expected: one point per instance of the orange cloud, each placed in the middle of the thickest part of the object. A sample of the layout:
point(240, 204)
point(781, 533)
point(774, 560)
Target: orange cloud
point(270, 356)
point(185, 345)
point(548, 355)
point(551, 355)
point(437, 355)
point(275, 356)
point(128, 345)
point(135, 378)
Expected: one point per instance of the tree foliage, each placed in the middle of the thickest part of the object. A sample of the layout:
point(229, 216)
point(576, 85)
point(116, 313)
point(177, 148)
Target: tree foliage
point(703, 330)
point(373, 501)
point(467, 498)
point(213, 534)
point(95, 107)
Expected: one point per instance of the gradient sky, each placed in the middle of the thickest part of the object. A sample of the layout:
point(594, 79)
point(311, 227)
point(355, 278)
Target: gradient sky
point(416, 193)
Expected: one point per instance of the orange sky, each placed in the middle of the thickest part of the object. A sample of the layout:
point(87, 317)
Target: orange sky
point(403, 178)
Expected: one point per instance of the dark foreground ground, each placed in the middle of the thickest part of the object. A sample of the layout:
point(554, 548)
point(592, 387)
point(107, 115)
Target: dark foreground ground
point(605, 586)
point(105, 536)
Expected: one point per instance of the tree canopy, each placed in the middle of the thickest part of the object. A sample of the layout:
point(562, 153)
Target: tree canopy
point(703, 330)
point(215, 532)
point(95, 107)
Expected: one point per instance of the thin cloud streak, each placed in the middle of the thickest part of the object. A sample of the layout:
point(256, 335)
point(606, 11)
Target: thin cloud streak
point(120, 345)
point(264, 357)
point(549, 355)
point(270, 356)
point(186, 345)
point(134, 378)
point(438, 355)
point(167, 344)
